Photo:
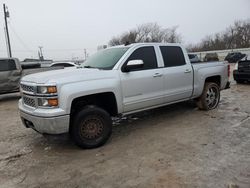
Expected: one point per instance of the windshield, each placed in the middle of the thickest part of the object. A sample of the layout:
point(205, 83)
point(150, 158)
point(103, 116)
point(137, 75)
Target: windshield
point(105, 59)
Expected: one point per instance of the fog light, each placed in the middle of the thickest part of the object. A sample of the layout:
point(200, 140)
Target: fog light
point(53, 102)
point(47, 102)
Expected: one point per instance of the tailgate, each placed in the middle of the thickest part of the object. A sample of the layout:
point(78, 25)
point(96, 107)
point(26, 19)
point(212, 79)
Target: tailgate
point(244, 66)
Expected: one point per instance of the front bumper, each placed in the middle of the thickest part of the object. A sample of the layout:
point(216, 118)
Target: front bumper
point(244, 76)
point(47, 125)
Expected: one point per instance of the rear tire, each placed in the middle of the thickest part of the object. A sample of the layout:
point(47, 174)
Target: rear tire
point(91, 127)
point(210, 97)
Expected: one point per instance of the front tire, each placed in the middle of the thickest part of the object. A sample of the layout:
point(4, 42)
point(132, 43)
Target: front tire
point(91, 127)
point(210, 97)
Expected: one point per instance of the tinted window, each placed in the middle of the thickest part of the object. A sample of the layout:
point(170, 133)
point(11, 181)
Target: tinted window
point(147, 55)
point(7, 65)
point(172, 56)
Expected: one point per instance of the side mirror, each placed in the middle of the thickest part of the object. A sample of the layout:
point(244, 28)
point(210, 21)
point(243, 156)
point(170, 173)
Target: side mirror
point(133, 64)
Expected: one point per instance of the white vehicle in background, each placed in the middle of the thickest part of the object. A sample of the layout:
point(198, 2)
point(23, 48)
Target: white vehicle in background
point(63, 64)
point(115, 82)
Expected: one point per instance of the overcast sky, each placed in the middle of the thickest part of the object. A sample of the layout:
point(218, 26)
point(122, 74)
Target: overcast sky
point(66, 27)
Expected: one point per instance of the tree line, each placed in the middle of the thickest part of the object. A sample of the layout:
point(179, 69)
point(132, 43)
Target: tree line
point(150, 32)
point(235, 36)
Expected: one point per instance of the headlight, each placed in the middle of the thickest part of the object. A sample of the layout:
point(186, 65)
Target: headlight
point(236, 66)
point(46, 89)
point(48, 102)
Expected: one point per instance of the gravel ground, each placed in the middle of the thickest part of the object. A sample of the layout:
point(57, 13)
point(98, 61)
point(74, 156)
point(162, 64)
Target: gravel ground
point(175, 146)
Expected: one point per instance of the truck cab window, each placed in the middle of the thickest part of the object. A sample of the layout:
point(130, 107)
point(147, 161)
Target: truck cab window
point(172, 56)
point(7, 65)
point(147, 55)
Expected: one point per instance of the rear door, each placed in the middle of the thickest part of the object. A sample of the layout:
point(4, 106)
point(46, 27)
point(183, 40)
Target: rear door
point(143, 87)
point(177, 74)
point(9, 76)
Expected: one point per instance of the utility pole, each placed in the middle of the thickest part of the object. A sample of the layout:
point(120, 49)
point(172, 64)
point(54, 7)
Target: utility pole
point(7, 15)
point(85, 54)
point(40, 53)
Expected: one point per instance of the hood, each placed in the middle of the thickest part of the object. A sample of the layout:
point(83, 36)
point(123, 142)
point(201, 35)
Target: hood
point(67, 75)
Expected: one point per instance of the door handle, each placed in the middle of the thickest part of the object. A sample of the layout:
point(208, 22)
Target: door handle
point(157, 75)
point(187, 71)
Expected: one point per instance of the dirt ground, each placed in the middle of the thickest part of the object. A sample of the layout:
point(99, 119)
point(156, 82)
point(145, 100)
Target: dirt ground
point(175, 146)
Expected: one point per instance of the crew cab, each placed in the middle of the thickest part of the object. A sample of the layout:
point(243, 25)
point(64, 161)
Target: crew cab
point(117, 81)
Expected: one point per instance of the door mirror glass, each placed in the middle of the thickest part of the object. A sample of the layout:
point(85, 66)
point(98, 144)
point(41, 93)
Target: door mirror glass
point(133, 64)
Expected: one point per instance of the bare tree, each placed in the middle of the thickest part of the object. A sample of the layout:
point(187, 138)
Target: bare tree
point(150, 32)
point(235, 36)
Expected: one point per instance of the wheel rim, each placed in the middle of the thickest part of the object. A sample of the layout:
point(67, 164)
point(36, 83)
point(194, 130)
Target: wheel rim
point(212, 97)
point(91, 127)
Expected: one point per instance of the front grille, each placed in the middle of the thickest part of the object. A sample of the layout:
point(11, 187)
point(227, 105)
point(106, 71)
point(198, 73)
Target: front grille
point(30, 89)
point(29, 101)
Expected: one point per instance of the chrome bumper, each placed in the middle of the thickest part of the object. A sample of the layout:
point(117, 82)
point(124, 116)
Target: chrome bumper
point(47, 125)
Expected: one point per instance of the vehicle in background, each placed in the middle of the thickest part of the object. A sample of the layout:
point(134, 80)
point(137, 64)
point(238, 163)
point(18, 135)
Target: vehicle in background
point(10, 75)
point(211, 57)
point(63, 64)
point(117, 81)
point(11, 72)
point(194, 58)
point(241, 71)
point(234, 57)
point(30, 65)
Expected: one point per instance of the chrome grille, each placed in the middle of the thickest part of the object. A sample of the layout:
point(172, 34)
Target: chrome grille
point(30, 89)
point(29, 101)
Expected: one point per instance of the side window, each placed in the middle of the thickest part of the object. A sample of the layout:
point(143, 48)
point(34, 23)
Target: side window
point(172, 56)
point(147, 54)
point(7, 65)
point(12, 64)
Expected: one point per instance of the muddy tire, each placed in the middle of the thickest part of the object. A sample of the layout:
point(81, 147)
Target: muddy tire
point(91, 127)
point(210, 97)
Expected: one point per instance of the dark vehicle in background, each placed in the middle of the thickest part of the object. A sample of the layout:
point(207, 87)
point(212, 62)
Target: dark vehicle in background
point(10, 75)
point(30, 65)
point(242, 70)
point(234, 57)
point(211, 57)
point(194, 58)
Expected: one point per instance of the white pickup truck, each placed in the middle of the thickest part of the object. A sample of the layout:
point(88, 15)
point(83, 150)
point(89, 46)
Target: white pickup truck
point(117, 81)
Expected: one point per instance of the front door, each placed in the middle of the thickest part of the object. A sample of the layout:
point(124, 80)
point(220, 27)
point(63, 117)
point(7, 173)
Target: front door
point(142, 87)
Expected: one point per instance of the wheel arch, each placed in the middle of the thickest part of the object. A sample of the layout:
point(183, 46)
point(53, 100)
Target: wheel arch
point(105, 100)
point(215, 79)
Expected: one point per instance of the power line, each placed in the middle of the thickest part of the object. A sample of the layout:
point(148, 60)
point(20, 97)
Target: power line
point(20, 40)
